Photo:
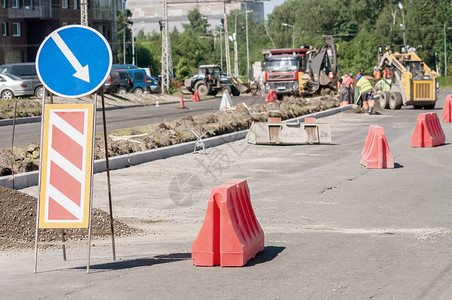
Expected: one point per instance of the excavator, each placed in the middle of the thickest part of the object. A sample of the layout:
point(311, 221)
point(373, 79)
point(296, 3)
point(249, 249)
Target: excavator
point(323, 68)
point(412, 81)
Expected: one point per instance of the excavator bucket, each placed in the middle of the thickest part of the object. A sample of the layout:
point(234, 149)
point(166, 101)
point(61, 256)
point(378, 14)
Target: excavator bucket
point(240, 86)
point(293, 133)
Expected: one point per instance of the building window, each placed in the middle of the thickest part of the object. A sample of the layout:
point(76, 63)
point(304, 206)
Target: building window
point(13, 56)
point(16, 29)
point(5, 29)
point(4, 3)
point(65, 4)
point(75, 6)
point(28, 4)
point(15, 4)
point(101, 29)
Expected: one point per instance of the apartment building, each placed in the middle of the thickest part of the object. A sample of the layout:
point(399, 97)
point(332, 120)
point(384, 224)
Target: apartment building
point(147, 14)
point(26, 23)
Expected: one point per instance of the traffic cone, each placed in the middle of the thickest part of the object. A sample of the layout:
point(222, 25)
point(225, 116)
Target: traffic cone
point(181, 103)
point(157, 102)
point(195, 97)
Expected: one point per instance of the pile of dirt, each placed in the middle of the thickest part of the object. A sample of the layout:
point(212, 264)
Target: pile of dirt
point(18, 223)
point(175, 132)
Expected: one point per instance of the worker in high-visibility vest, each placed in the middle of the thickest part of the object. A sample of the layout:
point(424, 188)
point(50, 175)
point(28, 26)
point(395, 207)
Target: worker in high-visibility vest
point(365, 89)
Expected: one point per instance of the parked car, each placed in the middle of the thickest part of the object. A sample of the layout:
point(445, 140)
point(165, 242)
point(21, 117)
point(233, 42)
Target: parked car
point(154, 86)
point(139, 80)
point(26, 71)
point(116, 67)
point(12, 86)
point(112, 84)
point(125, 82)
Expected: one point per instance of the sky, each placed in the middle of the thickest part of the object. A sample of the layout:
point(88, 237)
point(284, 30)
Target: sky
point(269, 5)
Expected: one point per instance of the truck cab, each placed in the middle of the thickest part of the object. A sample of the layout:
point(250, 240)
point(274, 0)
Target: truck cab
point(283, 68)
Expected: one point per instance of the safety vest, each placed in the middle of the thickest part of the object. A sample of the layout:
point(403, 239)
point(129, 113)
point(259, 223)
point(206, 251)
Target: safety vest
point(385, 85)
point(364, 84)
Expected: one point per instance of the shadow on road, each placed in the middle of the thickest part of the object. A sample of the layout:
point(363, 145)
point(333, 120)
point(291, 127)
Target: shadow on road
point(140, 262)
point(269, 253)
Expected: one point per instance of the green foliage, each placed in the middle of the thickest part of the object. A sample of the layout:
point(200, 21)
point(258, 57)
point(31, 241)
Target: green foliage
point(358, 27)
point(183, 69)
point(124, 36)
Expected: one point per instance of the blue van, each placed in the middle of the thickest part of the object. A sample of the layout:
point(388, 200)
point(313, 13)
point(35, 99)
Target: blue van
point(139, 80)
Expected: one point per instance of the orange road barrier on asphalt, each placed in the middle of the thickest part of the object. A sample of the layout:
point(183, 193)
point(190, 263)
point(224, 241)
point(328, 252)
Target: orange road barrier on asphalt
point(196, 97)
point(157, 102)
point(271, 96)
point(376, 153)
point(181, 103)
point(230, 235)
point(428, 131)
point(447, 110)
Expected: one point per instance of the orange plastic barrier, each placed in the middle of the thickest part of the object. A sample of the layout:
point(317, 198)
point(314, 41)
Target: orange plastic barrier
point(376, 153)
point(271, 96)
point(230, 235)
point(428, 131)
point(196, 97)
point(447, 110)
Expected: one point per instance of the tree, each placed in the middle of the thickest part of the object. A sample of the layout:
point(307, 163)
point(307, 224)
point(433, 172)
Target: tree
point(124, 36)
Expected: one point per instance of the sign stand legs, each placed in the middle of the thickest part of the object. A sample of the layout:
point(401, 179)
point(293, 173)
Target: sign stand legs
point(12, 143)
point(63, 239)
point(39, 184)
point(92, 180)
point(108, 176)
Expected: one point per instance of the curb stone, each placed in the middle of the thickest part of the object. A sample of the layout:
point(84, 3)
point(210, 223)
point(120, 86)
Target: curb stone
point(24, 180)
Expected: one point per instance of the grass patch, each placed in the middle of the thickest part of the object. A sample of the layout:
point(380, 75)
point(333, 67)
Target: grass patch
point(445, 82)
point(25, 108)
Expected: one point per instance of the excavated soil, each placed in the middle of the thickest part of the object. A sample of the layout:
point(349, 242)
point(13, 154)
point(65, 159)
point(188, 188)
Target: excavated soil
point(18, 223)
point(175, 132)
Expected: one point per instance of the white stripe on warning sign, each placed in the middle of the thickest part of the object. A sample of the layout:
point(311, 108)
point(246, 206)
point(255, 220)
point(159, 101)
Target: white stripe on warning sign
point(65, 202)
point(66, 165)
point(68, 129)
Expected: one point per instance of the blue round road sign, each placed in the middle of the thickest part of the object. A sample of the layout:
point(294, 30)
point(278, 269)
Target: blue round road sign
point(74, 61)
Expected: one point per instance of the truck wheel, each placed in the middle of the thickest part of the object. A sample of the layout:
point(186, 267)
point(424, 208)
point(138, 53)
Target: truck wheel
point(395, 101)
point(201, 88)
point(235, 92)
point(226, 89)
point(431, 106)
point(384, 100)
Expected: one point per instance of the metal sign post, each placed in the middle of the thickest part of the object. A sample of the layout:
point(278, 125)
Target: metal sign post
point(73, 61)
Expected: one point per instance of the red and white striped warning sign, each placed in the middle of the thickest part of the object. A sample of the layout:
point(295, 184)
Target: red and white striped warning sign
point(66, 166)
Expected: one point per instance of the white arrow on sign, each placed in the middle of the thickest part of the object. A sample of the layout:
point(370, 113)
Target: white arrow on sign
point(81, 72)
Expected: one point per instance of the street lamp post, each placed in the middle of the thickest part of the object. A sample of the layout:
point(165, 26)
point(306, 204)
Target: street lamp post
point(403, 25)
point(293, 33)
point(236, 55)
point(247, 47)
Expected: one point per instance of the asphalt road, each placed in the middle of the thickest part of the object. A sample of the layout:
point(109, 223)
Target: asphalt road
point(333, 229)
point(125, 117)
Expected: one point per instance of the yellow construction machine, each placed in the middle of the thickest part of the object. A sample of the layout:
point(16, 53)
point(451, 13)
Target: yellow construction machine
point(412, 81)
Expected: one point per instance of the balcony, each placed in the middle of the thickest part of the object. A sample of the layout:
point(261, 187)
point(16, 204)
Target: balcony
point(42, 10)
